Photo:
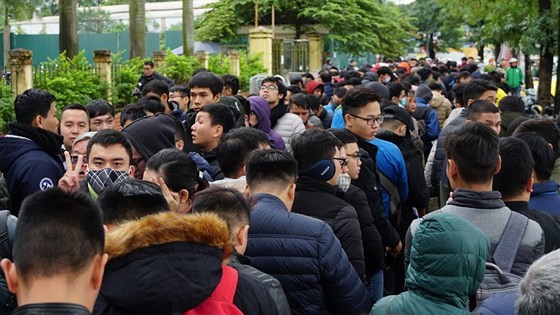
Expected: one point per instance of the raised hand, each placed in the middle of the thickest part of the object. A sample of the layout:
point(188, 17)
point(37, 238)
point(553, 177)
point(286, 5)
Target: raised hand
point(70, 182)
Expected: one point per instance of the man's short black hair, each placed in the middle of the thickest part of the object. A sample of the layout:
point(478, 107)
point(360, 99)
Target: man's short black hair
point(99, 107)
point(395, 89)
point(384, 70)
point(206, 79)
point(512, 103)
point(299, 100)
point(239, 143)
point(182, 90)
point(458, 90)
point(308, 75)
point(340, 91)
point(177, 169)
point(232, 82)
point(474, 148)
point(424, 73)
point(109, 137)
point(149, 63)
point(58, 233)
point(131, 200)
point(314, 145)
point(313, 102)
point(76, 107)
point(271, 167)
point(151, 104)
point(220, 114)
point(32, 103)
point(344, 135)
point(480, 107)
point(542, 154)
point(357, 98)
point(475, 88)
point(544, 128)
point(434, 86)
point(325, 76)
point(158, 87)
point(132, 112)
point(517, 167)
point(229, 204)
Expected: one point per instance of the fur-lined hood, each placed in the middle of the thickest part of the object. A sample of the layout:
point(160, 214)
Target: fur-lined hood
point(169, 227)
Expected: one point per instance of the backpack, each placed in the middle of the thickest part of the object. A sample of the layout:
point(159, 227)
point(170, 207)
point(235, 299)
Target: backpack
point(7, 300)
point(221, 300)
point(498, 277)
point(421, 116)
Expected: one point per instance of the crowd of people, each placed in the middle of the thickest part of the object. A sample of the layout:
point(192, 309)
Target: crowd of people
point(410, 187)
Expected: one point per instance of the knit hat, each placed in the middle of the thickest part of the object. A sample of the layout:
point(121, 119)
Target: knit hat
point(424, 92)
point(379, 89)
point(151, 134)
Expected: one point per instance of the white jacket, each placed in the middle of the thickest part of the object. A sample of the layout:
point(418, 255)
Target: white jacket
point(287, 126)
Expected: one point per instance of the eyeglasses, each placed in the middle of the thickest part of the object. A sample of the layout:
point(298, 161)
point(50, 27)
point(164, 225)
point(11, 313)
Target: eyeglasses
point(370, 121)
point(342, 161)
point(269, 87)
point(74, 159)
point(136, 162)
point(356, 155)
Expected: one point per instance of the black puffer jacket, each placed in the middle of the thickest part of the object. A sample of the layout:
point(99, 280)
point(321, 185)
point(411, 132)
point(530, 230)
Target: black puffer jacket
point(318, 199)
point(51, 309)
point(374, 252)
point(369, 182)
point(163, 264)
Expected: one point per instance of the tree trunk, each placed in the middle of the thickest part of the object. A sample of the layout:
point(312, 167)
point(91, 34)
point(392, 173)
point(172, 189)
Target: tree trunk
point(528, 75)
point(546, 56)
point(480, 49)
point(68, 32)
point(137, 16)
point(188, 28)
point(430, 46)
point(497, 48)
point(6, 37)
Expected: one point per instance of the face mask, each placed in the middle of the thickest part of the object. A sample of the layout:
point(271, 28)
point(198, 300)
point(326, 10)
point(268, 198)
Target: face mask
point(403, 101)
point(106, 177)
point(386, 79)
point(343, 182)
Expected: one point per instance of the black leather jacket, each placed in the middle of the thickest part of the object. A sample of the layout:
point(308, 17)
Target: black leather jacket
point(51, 308)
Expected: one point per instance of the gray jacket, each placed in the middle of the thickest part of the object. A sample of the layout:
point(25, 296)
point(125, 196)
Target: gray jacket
point(486, 211)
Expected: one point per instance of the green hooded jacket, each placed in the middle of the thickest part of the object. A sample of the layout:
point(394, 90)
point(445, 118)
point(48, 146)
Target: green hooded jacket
point(447, 265)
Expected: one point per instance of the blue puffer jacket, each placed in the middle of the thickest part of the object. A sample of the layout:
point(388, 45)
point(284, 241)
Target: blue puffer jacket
point(306, 257)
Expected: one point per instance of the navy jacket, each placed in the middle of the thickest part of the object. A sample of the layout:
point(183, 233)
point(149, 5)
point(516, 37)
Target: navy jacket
point(545, 197)
point(306, 257)
point(28, 167)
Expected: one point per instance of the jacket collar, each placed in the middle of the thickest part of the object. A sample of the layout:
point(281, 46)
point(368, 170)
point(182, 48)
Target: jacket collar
point(517, 205)
point(545, 187)
point(168, 227)
point(49, 141)
point(477, 199)
point(305, 183)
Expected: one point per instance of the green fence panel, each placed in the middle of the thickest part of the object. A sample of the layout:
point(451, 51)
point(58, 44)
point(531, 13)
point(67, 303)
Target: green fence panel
point(43, 46)
point(94, 41)
point(173, 39)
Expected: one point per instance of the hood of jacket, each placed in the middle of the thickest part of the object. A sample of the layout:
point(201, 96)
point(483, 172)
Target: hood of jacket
point(312, 85)
point(437, 100)
point(151, 134)
point(260, 107)
point(447, 259)
point(23, 139)
point(164, 263)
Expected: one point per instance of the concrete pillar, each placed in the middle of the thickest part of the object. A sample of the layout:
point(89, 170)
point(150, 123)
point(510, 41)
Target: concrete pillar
point(203, 57)
point(315, 52)
point(233, 56)
point(260, 43)
point(159, 57)
point(21, 61)
point(102, 59)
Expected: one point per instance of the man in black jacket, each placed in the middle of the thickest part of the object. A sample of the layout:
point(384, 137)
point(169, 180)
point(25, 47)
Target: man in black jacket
point(515, 183)
point(149, 75)
point(322, 165)
point(60, 246)
point(231, 206)
point(362, 115)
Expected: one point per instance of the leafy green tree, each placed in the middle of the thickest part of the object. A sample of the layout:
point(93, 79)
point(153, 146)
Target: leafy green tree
point(68, 28)
point(93, 20)
point(14, 9)
point(360, 25)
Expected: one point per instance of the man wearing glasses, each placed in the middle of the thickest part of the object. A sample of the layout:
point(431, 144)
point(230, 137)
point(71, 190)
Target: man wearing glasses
point(322, 169)
point(362, 116)
point(286, 124)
